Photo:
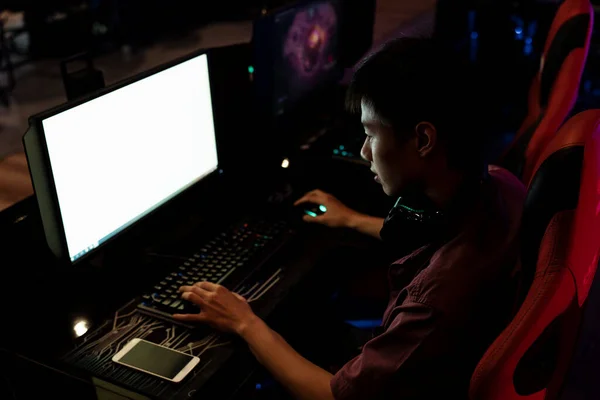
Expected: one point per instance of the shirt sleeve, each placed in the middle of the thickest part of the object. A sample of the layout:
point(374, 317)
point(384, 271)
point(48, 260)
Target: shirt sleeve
point(406, 342)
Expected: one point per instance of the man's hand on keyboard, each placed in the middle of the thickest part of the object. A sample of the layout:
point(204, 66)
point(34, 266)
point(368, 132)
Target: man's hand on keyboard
point(221, 309)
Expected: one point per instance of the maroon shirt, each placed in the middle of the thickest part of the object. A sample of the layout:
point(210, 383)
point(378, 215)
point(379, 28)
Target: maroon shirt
point(447, 305)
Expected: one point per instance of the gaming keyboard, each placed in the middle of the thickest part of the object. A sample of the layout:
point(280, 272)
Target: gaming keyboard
point(235, 252)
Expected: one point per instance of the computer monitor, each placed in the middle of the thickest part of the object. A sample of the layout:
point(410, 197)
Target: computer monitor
point(297, 51)
point(101, 164)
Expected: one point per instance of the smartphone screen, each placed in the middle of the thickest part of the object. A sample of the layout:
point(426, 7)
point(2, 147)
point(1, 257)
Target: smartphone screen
point(156, 359)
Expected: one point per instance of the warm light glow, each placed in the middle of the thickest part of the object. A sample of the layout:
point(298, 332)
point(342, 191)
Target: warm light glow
point(285, 163)
point(80, 328)
point(316, 37)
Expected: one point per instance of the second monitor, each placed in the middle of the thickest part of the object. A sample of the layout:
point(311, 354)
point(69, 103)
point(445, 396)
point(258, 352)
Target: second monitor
point(297, 53)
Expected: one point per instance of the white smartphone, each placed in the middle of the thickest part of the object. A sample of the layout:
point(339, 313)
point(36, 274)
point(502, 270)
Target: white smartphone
point(156, 360)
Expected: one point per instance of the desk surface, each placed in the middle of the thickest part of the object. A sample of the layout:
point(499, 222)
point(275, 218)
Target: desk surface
point(15, 183)
point(43, 303)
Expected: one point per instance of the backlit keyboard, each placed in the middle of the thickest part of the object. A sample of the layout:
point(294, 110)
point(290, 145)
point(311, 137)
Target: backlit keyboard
point(237, 251)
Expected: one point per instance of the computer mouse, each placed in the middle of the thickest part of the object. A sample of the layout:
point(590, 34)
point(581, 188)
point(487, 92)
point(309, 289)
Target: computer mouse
point(313, 209)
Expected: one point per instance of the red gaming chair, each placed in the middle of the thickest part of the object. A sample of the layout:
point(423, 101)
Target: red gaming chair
point(561, 224)
point(554, 89)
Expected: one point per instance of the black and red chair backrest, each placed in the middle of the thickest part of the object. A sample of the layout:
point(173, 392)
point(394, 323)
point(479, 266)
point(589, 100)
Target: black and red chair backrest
point(585, 248)
point(554, 89)
point(530, 358)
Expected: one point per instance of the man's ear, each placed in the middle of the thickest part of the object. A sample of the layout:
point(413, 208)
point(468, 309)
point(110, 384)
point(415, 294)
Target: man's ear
point(426, 138)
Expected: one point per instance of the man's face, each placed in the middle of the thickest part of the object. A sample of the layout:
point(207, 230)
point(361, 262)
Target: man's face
point(395, 161)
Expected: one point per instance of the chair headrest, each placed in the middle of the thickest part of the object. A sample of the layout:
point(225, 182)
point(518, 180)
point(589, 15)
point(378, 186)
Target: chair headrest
point(571, 29)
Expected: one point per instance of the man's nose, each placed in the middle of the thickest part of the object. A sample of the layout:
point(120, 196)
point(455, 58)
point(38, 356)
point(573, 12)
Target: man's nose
point(365, 152)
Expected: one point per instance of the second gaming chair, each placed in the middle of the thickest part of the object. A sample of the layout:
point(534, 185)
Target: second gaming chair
point(555, 87)
point(530, 358)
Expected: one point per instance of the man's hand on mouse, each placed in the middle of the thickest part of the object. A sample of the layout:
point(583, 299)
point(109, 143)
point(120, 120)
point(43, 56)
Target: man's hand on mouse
point(221, 308)
point(337, 215)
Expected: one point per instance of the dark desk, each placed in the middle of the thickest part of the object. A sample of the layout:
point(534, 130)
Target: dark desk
point(41, 355)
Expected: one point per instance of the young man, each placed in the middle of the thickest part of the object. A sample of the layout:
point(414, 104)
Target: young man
point(454, 230)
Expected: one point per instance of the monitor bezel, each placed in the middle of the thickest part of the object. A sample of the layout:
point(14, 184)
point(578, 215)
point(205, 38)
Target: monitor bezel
point(36, 122)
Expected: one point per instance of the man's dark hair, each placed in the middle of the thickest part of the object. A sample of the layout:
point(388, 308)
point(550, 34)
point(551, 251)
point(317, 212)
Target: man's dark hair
point(412, 80)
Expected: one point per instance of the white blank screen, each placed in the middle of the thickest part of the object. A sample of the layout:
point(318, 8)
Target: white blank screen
point(121, 155)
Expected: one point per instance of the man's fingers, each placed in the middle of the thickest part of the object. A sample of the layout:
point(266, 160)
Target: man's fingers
point(184, 317)
point(187, 317)
point(240, 297)
point(184, 289)
point(301, 200)
point(193, 298)
point(307, 198)
point(190, 317)
point(208, 286)
point(313, 196)
point(309, 219)
point(200, 287)
point(197, 290)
